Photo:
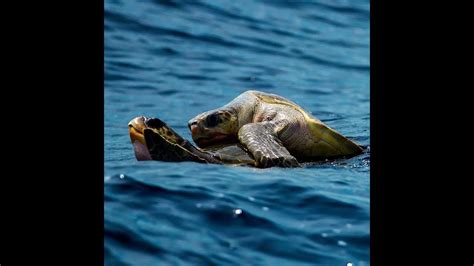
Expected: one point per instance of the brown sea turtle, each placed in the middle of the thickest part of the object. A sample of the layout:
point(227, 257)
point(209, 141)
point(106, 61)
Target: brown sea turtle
point(274, 130)
point(265, 129)
point(152, 139)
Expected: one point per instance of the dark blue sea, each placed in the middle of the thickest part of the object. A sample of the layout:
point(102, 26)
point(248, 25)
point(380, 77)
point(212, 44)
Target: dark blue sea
point(176, 59)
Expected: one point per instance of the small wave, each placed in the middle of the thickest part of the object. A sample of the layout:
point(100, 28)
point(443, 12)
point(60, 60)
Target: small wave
point(334, 8)
point(126, 237)
point(167, 51)
point(262, 42)
point(321, 61)
point(131, 185)
point(190, 76)
point(226, 14)
point(342, 183)
point(276, 246)
point(329, 205)
point(168, 3)
point(168, 92)
point(343, 43)
point(222, 216)
point(115, 76)
point(127, 65)
point(111, 258)
point(351, 10)
point(326, 20)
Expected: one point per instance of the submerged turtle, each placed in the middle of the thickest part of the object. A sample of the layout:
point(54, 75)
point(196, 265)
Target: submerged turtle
point(256, 128)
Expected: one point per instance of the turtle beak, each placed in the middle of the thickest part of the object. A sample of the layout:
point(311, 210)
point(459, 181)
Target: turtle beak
point(196, 131)
point(136, 128)
point(193, 127)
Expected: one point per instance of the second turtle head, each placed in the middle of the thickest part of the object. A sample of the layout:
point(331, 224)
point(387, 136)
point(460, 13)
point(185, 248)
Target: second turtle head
point(214, 127)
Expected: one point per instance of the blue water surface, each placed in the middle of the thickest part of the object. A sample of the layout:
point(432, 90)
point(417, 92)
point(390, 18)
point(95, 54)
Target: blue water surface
point(176, 59)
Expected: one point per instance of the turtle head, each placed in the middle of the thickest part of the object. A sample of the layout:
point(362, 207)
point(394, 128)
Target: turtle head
point(148, 133)
point(136, 129)
point(214, 127)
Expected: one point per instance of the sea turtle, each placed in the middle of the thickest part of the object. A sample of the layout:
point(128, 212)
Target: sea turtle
point(256, 128)
point(152, 139)
point(273, 129)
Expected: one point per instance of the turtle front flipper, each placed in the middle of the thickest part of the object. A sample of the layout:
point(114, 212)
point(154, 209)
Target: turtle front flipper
point(262, 142)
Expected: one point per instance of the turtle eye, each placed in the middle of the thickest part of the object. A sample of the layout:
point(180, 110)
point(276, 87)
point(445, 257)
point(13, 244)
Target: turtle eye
point(212, 120)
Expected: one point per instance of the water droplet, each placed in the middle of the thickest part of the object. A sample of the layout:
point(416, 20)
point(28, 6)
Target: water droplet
point(122, 176)
point(348, 225)
point(349, 264)
point(324, 235)
point(238, 211)
point(265, 208)
point(337, 231)
point(251, 198)
point(220, 195)
point(341, 243)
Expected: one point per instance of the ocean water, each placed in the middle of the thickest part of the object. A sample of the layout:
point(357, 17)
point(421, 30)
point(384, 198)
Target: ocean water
point(176, 59)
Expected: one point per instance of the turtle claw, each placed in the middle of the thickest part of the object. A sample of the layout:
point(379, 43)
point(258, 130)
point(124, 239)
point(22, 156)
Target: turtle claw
point(265, 161)
point(291, 162)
